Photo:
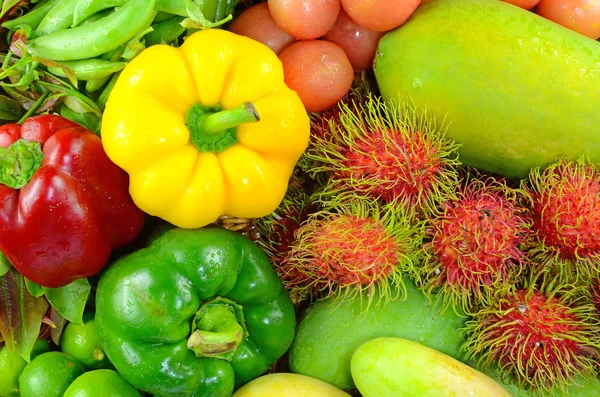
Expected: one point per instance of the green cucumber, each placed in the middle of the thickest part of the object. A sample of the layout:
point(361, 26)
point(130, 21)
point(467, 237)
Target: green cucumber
point(518, 90)
point(331, 331)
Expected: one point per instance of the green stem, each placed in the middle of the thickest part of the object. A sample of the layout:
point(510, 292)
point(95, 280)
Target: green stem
point(19, 162)
point(214, 130)
point(218, 329)
point(34, 107)
point(226, 119)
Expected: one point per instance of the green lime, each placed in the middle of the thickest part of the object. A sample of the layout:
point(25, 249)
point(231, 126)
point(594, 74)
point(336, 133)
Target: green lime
point(49, 375)
point(11, 369)
point(101, 383)
point(81, 342)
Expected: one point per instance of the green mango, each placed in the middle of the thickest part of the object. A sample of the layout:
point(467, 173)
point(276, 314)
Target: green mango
point(516, 90)
point(330, 331)
point(397, 367)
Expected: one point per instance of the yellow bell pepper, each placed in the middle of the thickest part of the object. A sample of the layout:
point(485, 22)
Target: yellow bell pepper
point(206, 129)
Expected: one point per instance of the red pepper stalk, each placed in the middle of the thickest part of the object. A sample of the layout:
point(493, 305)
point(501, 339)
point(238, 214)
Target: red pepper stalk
point(63, 204)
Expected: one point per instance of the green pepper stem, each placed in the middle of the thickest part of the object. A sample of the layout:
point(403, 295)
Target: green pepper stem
point(214, 130)
point(218, 329)
point(226, 119)
point(19, 162)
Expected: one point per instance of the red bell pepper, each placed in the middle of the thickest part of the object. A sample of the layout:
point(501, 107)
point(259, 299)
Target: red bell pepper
point(64, 206)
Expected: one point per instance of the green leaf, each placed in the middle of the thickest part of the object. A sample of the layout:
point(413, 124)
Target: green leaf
point(59, 325)
point(20, 315)
point(8, 5)
point(69, 301)
point(33, 288)
point(197, 19)
point(88, 120)
point(5, 265)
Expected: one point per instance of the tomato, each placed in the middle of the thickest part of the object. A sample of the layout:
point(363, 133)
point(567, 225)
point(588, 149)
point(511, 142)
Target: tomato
point(582, 16)
point(305, 19)
point(380, 15)
point(360, 44)
point(319, 71)
point(258, 24)
point(525, 4)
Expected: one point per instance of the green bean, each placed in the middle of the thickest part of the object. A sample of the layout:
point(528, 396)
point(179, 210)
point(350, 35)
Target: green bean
point(96, 38)
point(33, 17)
point(162, 16)
point(59, 17)
point(112, 56)
point(88, 69)
point(97, 16)
point(165, 32)
point(86, 8)
point(103, 97)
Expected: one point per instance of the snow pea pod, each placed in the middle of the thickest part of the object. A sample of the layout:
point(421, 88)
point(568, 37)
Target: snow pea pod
point(96, 38)
point(97, 16)
point(33, 17)
point(89, 69)
point(165, 32)
point(84, 9)
point(112, 56)
point(58, 17)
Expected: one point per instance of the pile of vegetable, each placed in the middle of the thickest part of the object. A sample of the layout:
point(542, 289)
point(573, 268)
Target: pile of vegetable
point(319, 198)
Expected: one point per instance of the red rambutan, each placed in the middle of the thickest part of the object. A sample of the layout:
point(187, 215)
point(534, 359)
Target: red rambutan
point(277, 229)
point(566, 218)
point(544, 337)
point(385, 151)
point(473, 247)
point(353, 250)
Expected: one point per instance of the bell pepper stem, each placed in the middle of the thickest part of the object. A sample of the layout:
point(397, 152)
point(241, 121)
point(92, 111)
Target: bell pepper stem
point(226, 119)
point(19, 162)
point(218, 329)
point(213, 129)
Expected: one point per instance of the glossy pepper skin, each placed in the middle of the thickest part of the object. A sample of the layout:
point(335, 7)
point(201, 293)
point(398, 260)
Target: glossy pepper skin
point(206, 129)
point(193, 314)
point(65, 213)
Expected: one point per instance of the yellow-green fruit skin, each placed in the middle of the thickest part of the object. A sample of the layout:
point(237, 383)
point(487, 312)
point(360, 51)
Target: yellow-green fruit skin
point(518, 90)
point(101, 383)
point(288, 385)
point(397, 367)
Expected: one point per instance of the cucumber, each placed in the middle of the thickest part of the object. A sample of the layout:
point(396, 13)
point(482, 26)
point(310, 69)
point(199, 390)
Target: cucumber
point(330, 332)
point(518, 90)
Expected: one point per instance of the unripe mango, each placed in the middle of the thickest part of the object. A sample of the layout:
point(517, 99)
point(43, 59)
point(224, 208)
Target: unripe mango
point(516, 90)
point(397, 367)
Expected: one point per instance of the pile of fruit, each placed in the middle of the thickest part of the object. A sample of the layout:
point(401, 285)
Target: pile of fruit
point(315, 198)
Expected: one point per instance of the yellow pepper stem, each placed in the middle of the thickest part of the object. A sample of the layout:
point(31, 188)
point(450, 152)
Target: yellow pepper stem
point(213, 129)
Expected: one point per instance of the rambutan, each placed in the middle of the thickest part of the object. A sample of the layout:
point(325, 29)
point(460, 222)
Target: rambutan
point(595, 294)
point(277, 229)
point(385, 151)
point(566, 218)
point(543, 337)
point(355, 249)
point(473, 247)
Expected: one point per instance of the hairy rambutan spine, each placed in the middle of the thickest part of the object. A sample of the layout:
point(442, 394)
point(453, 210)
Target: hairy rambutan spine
point(353, 250)
point(566, 213)
point(473, 248)
point(543, 336)
point(386, 151)
point(277, 229)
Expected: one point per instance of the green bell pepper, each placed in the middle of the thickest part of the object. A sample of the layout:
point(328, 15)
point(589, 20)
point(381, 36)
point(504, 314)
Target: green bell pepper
point(196, 313)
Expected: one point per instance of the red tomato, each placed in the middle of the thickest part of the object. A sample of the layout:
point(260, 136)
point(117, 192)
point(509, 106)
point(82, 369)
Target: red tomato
point(305, 19)
point(380, 15)
point(319, 71)
point(258, 24)
point(582, 16)
point(360, 44)
point(525, 4)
